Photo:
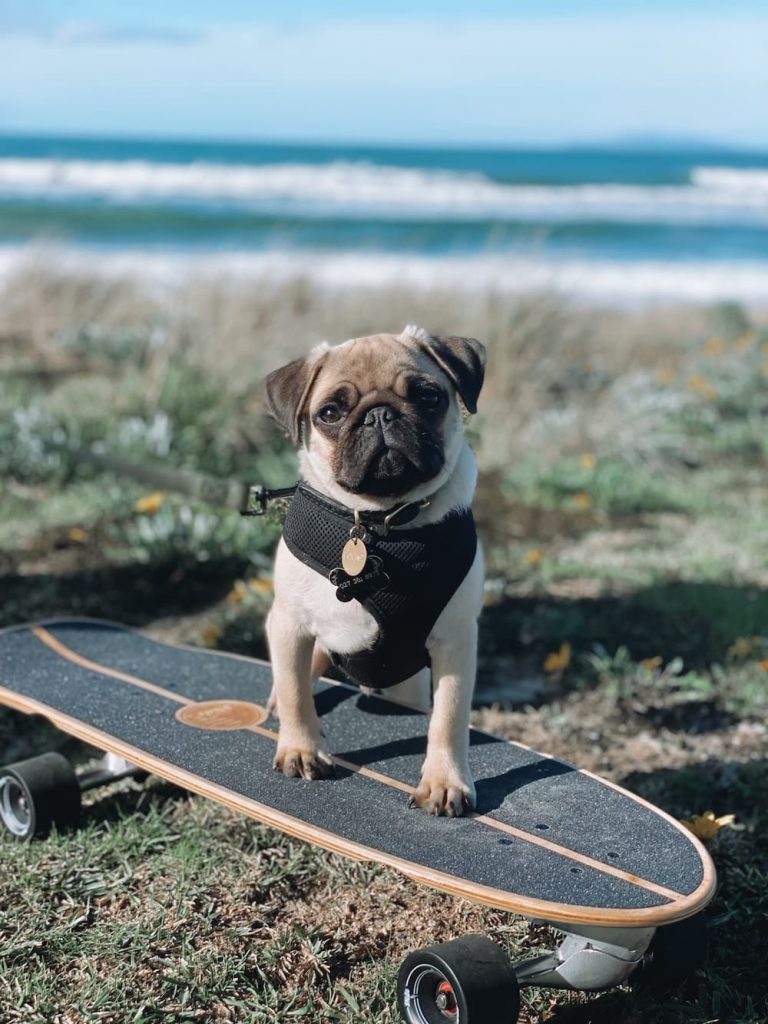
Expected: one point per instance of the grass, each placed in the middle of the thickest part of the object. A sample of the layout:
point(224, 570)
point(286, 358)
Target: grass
point(622, 504)
point(112, 943)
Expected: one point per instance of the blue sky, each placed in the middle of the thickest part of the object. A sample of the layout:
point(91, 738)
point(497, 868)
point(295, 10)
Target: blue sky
point(436, 71)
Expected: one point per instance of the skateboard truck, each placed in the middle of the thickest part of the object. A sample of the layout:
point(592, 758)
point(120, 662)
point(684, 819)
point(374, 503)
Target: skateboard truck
point(110, 768)
point(588, 958)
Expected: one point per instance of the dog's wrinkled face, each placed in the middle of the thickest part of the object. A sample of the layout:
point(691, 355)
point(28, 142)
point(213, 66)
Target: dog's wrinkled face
point(379, 413)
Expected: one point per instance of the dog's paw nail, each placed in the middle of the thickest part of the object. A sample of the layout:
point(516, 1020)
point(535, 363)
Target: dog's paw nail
point(319, 769)
point(304, 764)
point(442, 799)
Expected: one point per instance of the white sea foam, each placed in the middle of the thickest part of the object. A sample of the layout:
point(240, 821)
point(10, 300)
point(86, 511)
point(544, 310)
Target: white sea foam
point(617, 283)
point(748, 181)
point(343, 189)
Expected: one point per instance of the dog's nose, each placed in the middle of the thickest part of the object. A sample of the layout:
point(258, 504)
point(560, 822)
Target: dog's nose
point(380, 416)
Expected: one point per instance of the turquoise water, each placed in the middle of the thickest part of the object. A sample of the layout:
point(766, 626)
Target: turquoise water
point(600, 223)
point(572, 203)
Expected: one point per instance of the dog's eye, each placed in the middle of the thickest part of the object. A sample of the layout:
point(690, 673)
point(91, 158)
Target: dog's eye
point(329, 413)
point(428, 398)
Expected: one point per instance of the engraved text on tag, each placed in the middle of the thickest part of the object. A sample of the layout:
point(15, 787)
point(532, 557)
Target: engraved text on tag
point(354, 555)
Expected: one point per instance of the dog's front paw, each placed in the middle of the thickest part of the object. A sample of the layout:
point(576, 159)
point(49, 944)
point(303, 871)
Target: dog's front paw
point(444, 793)
point(305, 762)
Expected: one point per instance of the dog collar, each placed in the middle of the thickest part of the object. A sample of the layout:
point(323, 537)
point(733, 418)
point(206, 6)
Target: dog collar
point(257, 498)
point(398, 515)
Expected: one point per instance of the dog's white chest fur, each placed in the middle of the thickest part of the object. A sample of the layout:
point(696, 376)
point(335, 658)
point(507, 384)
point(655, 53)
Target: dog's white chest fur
point(343, 628)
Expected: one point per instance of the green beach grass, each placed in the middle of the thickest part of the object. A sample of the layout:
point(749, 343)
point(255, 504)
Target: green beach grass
point(622, 504)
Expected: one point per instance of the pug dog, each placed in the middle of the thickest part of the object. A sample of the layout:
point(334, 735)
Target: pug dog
point(379, 569)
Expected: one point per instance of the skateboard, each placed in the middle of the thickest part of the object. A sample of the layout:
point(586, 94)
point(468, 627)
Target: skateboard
point(623, 881)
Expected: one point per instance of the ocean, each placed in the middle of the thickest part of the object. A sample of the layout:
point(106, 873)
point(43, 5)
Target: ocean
point(612, 225)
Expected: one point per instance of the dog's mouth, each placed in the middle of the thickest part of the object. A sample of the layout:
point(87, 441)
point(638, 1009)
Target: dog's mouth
point(389, 469)
point(389, 464)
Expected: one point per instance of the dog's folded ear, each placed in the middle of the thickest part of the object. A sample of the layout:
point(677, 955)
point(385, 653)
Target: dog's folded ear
point(288, 390)
point(463, 360)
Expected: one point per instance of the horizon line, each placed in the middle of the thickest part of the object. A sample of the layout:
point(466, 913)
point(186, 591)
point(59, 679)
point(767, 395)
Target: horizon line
point(636, 141)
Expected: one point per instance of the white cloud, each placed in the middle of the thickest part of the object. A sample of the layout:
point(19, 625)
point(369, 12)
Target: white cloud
point(93, 33)
point(88, 32)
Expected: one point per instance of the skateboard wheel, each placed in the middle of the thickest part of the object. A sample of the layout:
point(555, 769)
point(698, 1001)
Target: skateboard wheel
point(468, 981)
point(675, 952)
point(37, 794)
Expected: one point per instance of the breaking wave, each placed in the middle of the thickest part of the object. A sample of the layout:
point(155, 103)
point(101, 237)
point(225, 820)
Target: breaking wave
point(626, 283)
point(345, 189)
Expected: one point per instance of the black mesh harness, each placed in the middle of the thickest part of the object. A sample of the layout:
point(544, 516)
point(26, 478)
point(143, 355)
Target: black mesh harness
point(424, 565)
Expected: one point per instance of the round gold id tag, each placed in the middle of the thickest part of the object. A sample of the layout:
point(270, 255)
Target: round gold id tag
point(354, 555)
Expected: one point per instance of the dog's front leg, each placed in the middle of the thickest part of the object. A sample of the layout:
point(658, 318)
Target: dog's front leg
point(298, 747)
point(321, 662)
point(446, 786)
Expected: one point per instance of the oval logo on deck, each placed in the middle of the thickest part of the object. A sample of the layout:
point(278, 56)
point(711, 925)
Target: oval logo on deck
point(222, 714)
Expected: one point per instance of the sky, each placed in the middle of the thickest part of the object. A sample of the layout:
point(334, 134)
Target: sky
point(489, 72)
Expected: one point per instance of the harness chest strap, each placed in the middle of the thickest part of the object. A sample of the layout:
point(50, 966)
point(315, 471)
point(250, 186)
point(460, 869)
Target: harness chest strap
point(420, 570)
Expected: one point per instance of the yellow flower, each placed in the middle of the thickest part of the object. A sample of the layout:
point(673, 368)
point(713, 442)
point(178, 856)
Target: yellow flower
point(666, 375)
point(744, 646)
point(745, 340)
point(77, 535)
point(558, 660)
point(706, 826)
point(701, 386)
point(583, 500)
point(260, 584)
point(150, 503)
point(534, 556)
point(714, 347)
point(211, 635)
point(588, 460)
point(651, 664)
point(763, 664)
point(242, 589)
point(237, 593)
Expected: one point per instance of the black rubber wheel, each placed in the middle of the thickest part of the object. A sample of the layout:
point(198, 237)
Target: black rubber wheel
point(675, 953)
point(468, 981)
point(37, 794)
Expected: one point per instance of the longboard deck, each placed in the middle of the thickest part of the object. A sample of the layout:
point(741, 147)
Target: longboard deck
point(548, 840)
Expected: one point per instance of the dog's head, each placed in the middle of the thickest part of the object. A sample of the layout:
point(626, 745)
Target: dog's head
point(380, 416)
